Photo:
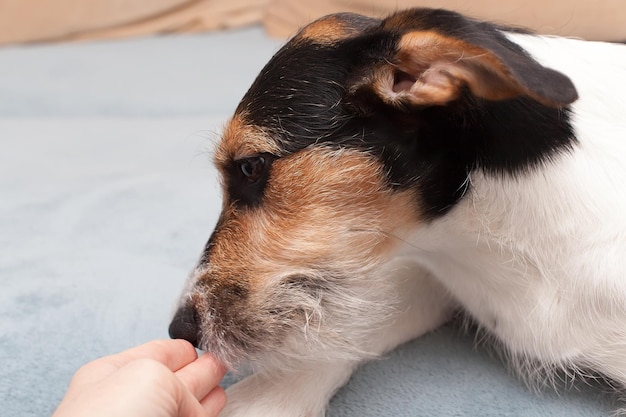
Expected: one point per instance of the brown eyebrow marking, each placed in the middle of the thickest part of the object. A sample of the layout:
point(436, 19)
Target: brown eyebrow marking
point(241, 139)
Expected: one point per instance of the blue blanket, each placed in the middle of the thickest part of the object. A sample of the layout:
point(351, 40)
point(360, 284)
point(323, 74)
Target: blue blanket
point(107, 195)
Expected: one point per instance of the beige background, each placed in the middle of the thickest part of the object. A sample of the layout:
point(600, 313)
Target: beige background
point(54, 20)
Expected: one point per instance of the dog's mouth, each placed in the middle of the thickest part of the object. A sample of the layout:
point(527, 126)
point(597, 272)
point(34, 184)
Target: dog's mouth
point(246, 329)
point(310, 313)
point(235, 341)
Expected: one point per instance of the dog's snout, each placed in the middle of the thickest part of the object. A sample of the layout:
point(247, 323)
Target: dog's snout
point(185, 325)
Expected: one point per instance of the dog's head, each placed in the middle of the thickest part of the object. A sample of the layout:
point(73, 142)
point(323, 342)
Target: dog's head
point(355, 133)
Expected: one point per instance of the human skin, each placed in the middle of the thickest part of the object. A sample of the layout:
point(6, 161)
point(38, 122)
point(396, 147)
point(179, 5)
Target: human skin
point(164, 378)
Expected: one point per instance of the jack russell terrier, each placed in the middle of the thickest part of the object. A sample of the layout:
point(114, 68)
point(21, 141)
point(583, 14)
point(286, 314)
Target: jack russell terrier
point(381, 175)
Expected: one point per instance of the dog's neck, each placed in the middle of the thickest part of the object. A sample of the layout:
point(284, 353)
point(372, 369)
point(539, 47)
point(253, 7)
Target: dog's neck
point(507, 245)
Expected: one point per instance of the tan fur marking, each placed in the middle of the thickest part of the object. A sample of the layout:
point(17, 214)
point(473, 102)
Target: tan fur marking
point(441, 66)
point(241, 140)
point(326, 209)
point(327, 30)
point(484, 73)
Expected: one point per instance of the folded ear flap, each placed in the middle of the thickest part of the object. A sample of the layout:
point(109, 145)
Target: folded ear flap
point(433, 69)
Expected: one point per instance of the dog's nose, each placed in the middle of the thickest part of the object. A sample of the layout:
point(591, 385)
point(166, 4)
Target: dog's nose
point(185, 325)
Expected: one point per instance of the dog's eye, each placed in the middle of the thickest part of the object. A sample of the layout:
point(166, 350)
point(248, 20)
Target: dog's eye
point(252, 168)
point(246, 178)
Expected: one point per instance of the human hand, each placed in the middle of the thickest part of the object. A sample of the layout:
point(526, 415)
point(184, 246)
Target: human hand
point(158, 379)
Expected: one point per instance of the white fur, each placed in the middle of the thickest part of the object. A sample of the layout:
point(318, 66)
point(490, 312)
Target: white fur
point(305, 389)
point(539, 260)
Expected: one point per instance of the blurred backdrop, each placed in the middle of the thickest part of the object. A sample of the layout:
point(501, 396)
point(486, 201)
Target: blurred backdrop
point(52, 20)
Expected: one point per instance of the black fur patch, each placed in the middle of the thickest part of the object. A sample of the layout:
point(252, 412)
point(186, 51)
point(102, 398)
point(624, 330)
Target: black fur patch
point(302, 98)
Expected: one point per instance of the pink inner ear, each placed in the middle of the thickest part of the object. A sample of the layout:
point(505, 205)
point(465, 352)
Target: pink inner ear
point(402, 81)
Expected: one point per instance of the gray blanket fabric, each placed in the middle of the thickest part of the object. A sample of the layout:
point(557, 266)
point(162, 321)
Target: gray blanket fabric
point(107, 195)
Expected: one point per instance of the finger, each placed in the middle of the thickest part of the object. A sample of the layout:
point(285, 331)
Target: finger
point(149, 386)
point(214, 402)
point(175, 354)
point(202, 375)
point(189, 406)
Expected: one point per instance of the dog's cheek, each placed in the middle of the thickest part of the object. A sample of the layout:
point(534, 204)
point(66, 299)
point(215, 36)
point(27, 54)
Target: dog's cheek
point(334, 205)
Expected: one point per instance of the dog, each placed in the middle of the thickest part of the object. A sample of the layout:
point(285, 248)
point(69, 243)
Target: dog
point(381, 175)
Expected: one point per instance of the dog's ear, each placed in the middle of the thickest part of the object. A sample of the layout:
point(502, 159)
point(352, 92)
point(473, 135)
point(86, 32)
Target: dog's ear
point(430, 68)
